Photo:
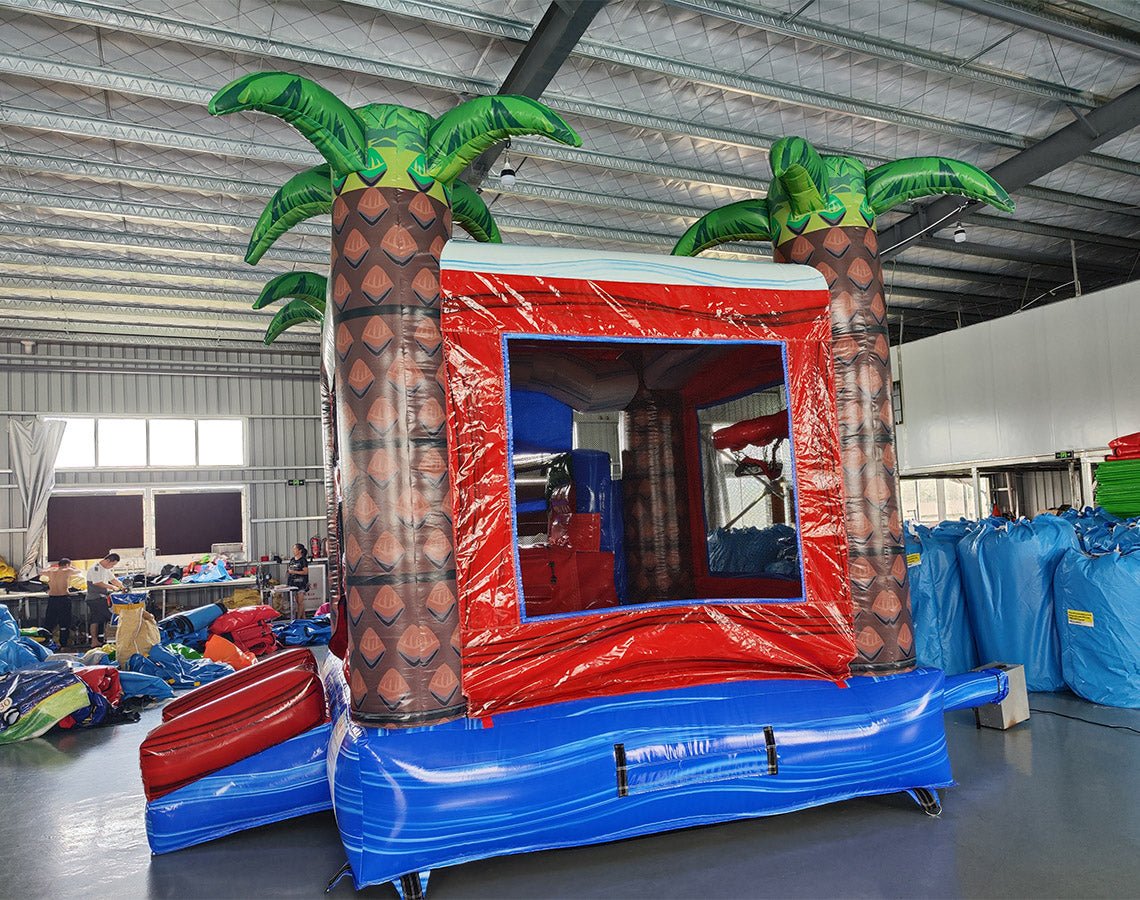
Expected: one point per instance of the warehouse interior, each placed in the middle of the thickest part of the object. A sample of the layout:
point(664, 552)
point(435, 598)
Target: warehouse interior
point(157, 441)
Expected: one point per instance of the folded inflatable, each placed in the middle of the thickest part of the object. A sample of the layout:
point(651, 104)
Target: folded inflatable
point(31, 702)
point(298, 658)
point(232, 727)
point(1097, 601)
point(249, 628)
point(1007, 573)
point(942, 635)
point(304, 632)
point(176, 671)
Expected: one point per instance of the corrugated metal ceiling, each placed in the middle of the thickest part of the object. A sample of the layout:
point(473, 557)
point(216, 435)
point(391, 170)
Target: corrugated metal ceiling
point(122, 201)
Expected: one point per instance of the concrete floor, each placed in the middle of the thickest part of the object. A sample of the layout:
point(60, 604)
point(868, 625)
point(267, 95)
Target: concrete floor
point(1048, 809)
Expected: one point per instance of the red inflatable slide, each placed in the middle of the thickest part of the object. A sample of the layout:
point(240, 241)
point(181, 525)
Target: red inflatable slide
point(262, 706)
point(294, 658)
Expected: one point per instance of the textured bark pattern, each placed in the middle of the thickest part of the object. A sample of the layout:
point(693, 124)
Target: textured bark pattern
point(655, 500)
point(848, 259)
point(397, 538)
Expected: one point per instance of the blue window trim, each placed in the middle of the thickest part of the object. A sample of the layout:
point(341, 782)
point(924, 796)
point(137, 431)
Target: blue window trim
point(504, 338)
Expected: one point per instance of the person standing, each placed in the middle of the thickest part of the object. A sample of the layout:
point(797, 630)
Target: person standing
point(101, 581)
point(298, 577)
point(58, 614)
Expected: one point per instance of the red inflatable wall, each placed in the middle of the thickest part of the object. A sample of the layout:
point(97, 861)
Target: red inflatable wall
point(510, 661)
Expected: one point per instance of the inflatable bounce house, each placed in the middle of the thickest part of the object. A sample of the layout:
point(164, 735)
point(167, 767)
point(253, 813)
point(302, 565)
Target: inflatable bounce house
point(544, 641)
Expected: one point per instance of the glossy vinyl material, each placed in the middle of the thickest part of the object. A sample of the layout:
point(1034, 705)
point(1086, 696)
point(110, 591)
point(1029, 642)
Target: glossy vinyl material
point(490, 292)
point(298, 658)
point(283, 781)
point(971, 689)
point(230, 728)
point(586, 772)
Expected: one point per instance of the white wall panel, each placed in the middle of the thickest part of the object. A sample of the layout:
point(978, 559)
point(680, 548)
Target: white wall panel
point(1061, 377)
point(276, 394)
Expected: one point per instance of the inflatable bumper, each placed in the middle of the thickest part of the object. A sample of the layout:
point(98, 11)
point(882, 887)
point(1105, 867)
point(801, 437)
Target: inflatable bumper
point(587, 772)
point(281, 782)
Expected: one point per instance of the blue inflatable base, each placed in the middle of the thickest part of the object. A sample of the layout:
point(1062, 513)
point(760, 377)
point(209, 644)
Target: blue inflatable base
point(287, 780)
point(587, 772)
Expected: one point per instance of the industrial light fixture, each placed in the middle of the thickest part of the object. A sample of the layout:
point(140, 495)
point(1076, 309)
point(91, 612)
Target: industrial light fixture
point(959, 234)
point(507, 173)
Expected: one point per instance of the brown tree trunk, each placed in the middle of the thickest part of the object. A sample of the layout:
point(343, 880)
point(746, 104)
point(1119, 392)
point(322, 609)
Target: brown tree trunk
point(656, 509)
point(403, 618)
point(848, 259)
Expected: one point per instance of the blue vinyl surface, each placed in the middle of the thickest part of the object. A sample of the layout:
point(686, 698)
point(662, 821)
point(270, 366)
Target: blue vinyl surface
point(416, 799)
point(287, 780)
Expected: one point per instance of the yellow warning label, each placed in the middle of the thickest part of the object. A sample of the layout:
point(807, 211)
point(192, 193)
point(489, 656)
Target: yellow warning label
point(1080, 617)
point(913, 559)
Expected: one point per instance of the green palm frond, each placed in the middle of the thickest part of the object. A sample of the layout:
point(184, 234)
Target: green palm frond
point(461, 134)
point(471, 214)
point(897, 182)
point(292, 313)
point(301, 197)
point(308, 287)
point(745, 220)
point(803, 174)
point(334, 129)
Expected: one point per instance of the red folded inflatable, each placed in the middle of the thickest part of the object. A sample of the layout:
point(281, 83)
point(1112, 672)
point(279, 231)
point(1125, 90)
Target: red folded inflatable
point(230, 728)
point(249, 628)
point(295, 658)
point(752, 432)
point(1127, 446)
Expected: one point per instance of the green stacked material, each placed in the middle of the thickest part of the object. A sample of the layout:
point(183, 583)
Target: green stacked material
point(1118, 487)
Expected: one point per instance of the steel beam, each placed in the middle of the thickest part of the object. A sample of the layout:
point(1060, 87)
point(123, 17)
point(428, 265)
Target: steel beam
point(546, 192)
point(1019, 16)
point(560, 28)
point(563, 23)
point(1101, 125)
point(801, 28)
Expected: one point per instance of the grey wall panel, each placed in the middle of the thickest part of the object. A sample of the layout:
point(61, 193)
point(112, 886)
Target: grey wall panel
point(275, 393)
point(1055, 378)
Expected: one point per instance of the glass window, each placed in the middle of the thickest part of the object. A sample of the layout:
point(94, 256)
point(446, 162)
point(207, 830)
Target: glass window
point(78, 448)
point(172, 442)
point(928, 501)
point(121, 442)
point(221, 442)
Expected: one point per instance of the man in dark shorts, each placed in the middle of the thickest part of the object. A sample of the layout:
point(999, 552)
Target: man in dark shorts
point(101, 581)
point(58, 602)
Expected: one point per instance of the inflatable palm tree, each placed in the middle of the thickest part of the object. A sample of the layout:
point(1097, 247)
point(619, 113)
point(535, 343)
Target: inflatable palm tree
point(306, 293)
point(390, 176)
point(821, 211)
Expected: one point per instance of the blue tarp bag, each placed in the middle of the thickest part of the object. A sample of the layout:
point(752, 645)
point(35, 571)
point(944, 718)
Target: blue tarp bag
point(1007, 573)
point(136, 684)
point(211, 573)
point(942, 636)
point(15, 653)
point(304, 632)
point(1097, 602)
point(176, 671)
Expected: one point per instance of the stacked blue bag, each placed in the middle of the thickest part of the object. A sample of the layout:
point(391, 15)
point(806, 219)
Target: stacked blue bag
point(190, 628)
point(304, 632)
point(942, 636)
point(1007, 572)
point(1098, 619)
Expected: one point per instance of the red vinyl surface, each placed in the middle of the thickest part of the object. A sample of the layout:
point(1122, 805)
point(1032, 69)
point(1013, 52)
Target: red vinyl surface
point(230, 728)
point(294, 658)
point(509, 662)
